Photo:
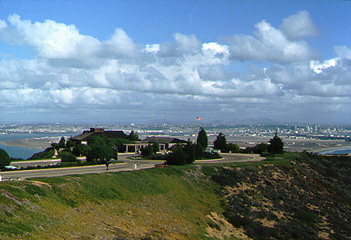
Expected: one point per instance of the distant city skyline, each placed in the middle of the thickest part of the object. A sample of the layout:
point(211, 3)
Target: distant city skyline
point(175, 61)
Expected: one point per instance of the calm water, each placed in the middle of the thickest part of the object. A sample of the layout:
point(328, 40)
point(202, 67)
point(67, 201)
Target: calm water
point(337, 151)
point(23, 152)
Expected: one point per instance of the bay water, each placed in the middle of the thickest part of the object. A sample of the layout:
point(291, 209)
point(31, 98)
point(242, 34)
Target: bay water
point(25, 152)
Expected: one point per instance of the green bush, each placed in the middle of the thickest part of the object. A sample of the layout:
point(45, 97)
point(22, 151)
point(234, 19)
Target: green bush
point(4, 158)
point(67, 157)
point(46, 154)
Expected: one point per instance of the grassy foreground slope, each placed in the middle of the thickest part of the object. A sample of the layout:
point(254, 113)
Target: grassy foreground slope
point(290, 196)
point(150, 204)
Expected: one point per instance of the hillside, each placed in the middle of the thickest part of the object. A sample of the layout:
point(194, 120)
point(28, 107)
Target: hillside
point(300, 196)
point(305, 197)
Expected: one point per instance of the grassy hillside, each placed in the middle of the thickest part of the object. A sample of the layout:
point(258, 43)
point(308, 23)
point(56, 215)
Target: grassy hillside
point(171, 203)
point(299, 196)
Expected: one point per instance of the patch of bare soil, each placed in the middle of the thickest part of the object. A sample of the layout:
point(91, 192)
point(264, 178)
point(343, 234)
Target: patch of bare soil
point(220, 228)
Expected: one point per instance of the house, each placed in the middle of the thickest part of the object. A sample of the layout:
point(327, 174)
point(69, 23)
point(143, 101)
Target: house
point(99, 132)
point(163, 142)
point(167, 141)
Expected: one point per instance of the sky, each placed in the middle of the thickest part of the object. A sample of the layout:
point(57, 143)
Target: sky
point(226, 61)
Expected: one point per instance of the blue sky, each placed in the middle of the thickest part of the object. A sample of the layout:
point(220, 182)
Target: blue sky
point(144, 61)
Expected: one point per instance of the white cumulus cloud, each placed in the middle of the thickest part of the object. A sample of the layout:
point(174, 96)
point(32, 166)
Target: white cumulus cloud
point(299, 26)
point(270, 44)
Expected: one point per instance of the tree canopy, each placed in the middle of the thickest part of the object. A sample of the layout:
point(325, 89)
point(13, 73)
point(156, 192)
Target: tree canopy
point(202, 139)
point(133, 136)
point(221, 142)
point(5, 159)
point(276, 145)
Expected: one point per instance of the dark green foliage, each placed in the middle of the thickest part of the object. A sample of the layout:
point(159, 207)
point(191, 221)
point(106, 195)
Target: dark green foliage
point(4, 158)
point(67, 157)
point(81, 150)
point(55, 146)
point(191, 150)
point(96, 140)
point(155, 147)
point(187, 154)
point(220, 143)
point(101, 154)
point(232, 147)
point(147, 151)
point(150, 150)
point(202, 139)
point(62, 143)
point(261, 148)
point(117, 143)
point(276, 145)
point(133, 136)
point(177, 156)
point(46, 154)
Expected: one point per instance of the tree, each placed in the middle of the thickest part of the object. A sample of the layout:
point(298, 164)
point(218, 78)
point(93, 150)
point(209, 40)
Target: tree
point(177, 156)
point(276, 145)
point(67, 157)
point(62, 143)
point(147, 151)
point(101, 154)
point(155, 147)
point(81, 150)
point(190, 150)
point(133, 136)
point(233, 147)
point(260, 148)
point(5, 159)
point(220, 143)
point(202, 139)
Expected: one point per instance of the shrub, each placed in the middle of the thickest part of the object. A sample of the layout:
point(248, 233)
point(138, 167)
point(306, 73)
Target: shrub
point(67, 157)
point(4, 158)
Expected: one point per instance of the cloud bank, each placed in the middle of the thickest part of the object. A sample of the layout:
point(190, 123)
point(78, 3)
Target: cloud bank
point(177, 79)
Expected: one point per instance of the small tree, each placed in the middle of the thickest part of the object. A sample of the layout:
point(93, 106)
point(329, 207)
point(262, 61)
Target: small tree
point(67, 157)
point(147, 151)
point(62, 143)
point(191, 152)
point(261, 148)
point(5, 159)
point(155, 147)
point(276, 145)
point(177, 157)
point(232, 147)
point(81, 150)
point(133, 136)
point(202, 139)
point(101, 154)
point(220, 143)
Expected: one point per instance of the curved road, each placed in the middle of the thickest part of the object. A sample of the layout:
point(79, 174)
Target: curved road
point(129, 165)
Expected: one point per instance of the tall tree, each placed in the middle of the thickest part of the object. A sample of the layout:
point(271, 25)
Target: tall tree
point(221, 142)
point(202, 139)
point(276, 145)
point(5, 159)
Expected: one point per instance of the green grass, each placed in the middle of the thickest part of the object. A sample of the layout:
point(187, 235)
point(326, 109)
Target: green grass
point(169, 203)
point(151, 203)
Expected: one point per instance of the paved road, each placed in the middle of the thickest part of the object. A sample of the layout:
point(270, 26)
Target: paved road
point(127, 166)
